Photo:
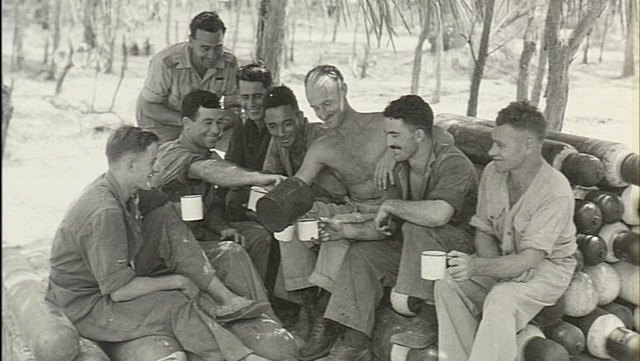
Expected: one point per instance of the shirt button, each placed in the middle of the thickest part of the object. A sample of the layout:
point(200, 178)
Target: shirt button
point(509, 233)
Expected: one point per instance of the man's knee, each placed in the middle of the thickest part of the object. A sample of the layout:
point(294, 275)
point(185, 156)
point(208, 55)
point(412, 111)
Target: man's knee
point(426, 237)
point(502, 298)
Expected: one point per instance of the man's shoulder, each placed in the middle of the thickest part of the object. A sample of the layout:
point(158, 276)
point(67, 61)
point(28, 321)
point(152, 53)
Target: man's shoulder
point(313, 131)
point(170, 146)
point(229, 58)
point(96, 198)
point(172, 55)
point(174, 152)
point(555, 182)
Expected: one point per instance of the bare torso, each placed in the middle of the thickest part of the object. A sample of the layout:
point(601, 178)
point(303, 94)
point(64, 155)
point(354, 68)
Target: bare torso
point(351, 152)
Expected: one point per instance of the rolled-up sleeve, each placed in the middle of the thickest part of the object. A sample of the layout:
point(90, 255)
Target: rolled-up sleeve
point(158, 82)
point(175, 162)
point(106, 250)
point(457, 177)
point(480, 220)
point(547, 224)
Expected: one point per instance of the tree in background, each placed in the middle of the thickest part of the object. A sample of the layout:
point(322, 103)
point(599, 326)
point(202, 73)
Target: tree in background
point(528, 49)
point(480, 59)
point(561, 52)
point(270, 35)
point(628, 68)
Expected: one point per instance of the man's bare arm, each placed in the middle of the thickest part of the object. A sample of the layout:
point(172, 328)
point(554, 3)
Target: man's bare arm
point(486, 245)
point(312, 164)
point(227, 174)
point(161, 113)
point(463, 266)
point(428, 213)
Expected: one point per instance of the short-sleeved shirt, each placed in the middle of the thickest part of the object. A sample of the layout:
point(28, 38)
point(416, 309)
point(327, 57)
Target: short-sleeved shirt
point(94, 248)
point(248, 145)
point(171, 76)
point(287, 161)
point(175, 159)
point(541, 219)
point(450, 177)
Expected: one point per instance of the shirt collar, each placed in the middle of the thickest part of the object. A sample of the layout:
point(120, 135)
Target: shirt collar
point(121, 194)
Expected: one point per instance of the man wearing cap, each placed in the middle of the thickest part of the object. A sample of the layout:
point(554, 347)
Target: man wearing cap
point(200, 63)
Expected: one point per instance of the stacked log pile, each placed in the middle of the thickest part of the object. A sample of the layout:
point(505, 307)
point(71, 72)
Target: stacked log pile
point(34, 329)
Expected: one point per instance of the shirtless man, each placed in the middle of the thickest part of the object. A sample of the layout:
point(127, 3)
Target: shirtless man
point(352, 149)
point(352, 135)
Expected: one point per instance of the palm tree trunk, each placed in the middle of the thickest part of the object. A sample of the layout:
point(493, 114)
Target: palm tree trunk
point(417, 54)
point(271, 35)
point(439, 50)
point(483, 53)
point(628, 68)
point(528, 49)
point(560, 56)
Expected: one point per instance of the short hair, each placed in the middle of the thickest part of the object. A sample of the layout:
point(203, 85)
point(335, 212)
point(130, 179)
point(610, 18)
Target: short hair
point(523, 115)
point(255, 72)
point(208, 21)
point(327, 70)
point(128, 139)
point(279, 96)
point(413, 111)
point(196, 99)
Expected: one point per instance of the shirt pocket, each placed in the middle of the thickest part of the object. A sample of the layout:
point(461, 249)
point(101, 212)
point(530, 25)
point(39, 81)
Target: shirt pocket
point(520, 226)
point(497, 218)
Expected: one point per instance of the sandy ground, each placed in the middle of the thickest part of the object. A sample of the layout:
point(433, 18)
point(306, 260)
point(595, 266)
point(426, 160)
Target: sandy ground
point(53, 148)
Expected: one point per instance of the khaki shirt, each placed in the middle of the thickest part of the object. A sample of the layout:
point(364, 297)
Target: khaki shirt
point(94, 248)
point(171, 76)
point(450, 177)
point(541, 219)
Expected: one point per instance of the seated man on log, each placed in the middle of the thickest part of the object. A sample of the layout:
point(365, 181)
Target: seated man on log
point(353, 149)
point(291, 136)
point(119, 276)
point(350, 150)
point(524, 243)
point(188, 166)
point(438, 186)
point(435, 180)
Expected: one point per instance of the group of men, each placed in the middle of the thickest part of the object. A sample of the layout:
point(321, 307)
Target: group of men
point(387, 186)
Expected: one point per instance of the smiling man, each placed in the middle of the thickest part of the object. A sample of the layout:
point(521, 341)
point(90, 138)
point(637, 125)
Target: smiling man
point(249, 141)
point(201, 63)
point(436, 181)
point(291, 136)
point(524, 241)
point(188, 166)
point(439, 186)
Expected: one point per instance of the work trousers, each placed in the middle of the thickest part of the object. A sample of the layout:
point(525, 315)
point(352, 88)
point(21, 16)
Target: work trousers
point(478, 318)
point(367, 268)
point(417, 239)
point(170, 248)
